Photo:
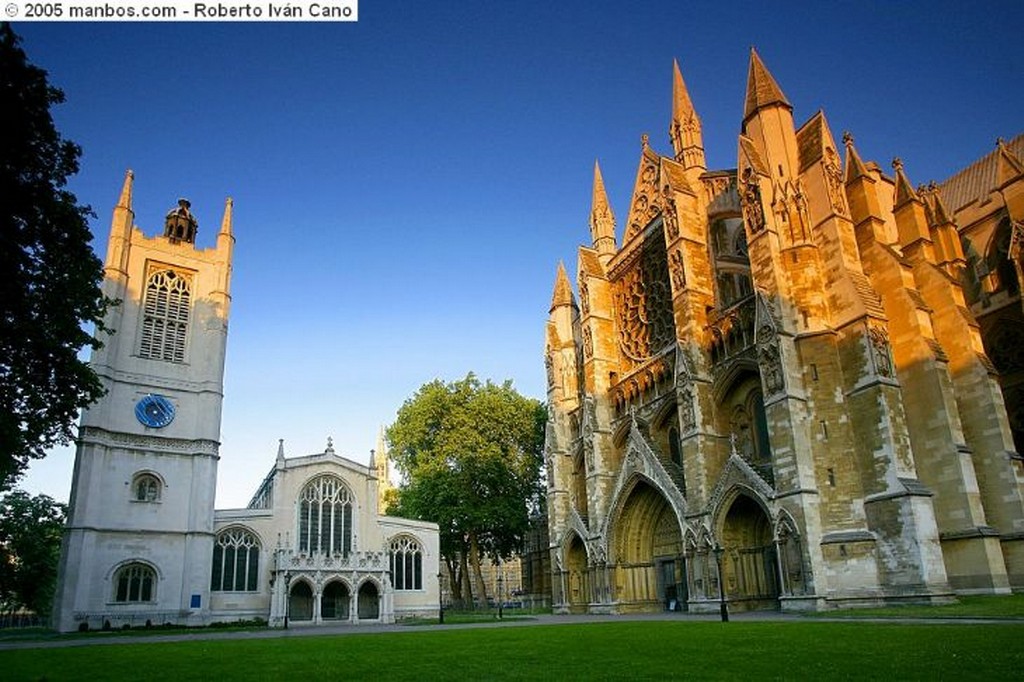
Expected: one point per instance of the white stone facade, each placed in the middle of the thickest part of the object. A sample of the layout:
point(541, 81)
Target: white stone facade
point(143, 543)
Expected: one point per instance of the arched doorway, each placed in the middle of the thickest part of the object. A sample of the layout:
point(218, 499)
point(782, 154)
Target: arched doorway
point(577, 578)
point(749, 564)
point(334, 601)
point(648, 552)
point(369, 602)
point(300, 601)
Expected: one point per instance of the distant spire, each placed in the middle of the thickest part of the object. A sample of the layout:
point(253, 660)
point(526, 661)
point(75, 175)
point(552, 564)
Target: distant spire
point(563, 290)
point(762, 90)
point(904, 190)
point(685, 129)
point(381, 456)
point(125, 200)
point(855, 168)
point(280, 448)
point(602, 220)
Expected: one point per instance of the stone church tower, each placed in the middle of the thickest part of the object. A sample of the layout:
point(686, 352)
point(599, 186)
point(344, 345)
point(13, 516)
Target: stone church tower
point(772, 389)
point(140, 530)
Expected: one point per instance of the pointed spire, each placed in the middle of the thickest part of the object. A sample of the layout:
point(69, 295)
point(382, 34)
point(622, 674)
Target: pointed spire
point(125, 200)
point(121, 224)
point(682, 107)
point(280, 449)
point(602, 219)
point(855, 168)
point(904, 190)
point(762, 90)
point(942, 215)
point(563, 290)
point(226, 223)
point(685, 129)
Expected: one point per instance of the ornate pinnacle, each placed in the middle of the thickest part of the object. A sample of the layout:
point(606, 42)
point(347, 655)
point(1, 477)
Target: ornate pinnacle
point(847, 138)
point(897, 164)
point(644, 141)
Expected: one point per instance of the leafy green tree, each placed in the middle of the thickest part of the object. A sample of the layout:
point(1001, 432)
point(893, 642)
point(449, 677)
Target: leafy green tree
point(50, 288)
point(470, 454)
point(30, 537)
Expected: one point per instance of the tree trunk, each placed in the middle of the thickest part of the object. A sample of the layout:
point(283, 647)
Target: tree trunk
point(454, 581)
point(467, 592)
point(478, 576)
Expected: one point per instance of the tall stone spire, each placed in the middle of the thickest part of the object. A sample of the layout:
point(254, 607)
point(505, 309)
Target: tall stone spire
point(685, 129)
point(226, 223)
point(762, 90)
point(121, 224)
point(563, 290)
point(602, 220)
point(225, 251)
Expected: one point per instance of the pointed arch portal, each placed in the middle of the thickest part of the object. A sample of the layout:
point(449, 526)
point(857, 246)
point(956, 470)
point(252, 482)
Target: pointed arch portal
point(578, 585)
point(300, 601)
point(648, 552)
point(749, 563)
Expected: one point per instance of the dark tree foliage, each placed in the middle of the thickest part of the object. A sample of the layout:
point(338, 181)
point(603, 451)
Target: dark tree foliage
point(49, 276)
point(471, 454)
point(30, 536)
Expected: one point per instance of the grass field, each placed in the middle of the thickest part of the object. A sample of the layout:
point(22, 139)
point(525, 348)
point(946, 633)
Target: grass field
point(598, 651)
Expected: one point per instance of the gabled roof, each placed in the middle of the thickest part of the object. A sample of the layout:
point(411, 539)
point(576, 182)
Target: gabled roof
point(975, 182)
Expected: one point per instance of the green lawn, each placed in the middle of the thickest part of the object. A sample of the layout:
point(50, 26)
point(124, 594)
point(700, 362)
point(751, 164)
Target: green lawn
point(625, 650)
point(980, 606)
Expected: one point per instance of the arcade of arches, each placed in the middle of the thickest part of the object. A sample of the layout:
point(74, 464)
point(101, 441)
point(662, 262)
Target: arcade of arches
point(333, 602)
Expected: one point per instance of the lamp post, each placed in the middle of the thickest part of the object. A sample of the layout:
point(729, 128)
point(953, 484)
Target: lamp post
point(440, 600)
point(500, 602)
point(721, 586)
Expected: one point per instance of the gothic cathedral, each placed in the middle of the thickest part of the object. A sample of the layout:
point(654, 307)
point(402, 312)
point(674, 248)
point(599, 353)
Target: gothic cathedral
point(775, 389)
point(143, 544)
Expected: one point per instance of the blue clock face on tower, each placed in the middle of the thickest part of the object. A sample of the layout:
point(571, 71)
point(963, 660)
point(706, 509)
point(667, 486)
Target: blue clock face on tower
point(154, 411)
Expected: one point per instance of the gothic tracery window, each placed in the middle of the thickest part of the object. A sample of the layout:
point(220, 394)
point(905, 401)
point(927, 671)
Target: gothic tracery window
point(134, 582)
point(325, 516)
point(236, 561)
point(165, 315)
point(406, 556)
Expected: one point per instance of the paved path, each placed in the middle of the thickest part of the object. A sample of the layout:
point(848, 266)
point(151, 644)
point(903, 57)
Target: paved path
point(369, 629)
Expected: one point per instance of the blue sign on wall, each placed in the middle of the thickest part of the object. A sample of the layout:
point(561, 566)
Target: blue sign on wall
point(196, 601)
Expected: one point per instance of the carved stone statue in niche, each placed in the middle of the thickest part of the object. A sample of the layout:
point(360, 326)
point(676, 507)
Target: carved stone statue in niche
point(588, 342)
point(771, 368)
point(678, 272)
point(880, 351)
point(834, 181)
point(687, 415)
point(750, 200)
point(549, 368)
point(671, 219)
point(584, 295)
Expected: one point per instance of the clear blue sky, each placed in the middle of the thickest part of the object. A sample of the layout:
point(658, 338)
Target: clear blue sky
point(405, 186)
